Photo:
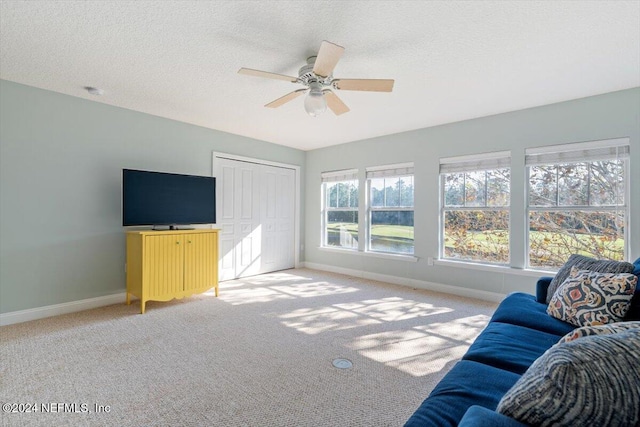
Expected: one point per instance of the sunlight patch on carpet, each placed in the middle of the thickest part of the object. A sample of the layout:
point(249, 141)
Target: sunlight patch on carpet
point(315, 289)
point(270, 278)
point(352, 315)
point(421, 350)
point(317, 320)
point(252, 296)
point(393, 309)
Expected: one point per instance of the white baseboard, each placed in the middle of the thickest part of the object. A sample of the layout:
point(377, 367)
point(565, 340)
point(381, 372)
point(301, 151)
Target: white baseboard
point(57, 309)
point(413, 283)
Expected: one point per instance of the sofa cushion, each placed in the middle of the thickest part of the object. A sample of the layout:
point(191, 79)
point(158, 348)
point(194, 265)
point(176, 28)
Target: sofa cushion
point(590, 381)
point(509, 347)
point(477, 416)
point(586, 263)
point(586, 331)
point(467, 383)
point(523, 310)
point(591, 298)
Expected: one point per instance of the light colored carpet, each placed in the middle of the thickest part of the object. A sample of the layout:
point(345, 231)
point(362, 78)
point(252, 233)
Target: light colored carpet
point(259, 355)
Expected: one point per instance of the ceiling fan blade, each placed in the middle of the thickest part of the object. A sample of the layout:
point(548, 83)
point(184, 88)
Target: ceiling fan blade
point(373, 85)
point(327, 58)
point(284, 99)
point(334, 103)
point(265, 74)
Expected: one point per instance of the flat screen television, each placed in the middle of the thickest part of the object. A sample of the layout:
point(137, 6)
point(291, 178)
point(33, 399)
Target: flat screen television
point(158, 198)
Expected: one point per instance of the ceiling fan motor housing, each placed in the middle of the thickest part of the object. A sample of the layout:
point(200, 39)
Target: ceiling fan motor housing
point(306, 76)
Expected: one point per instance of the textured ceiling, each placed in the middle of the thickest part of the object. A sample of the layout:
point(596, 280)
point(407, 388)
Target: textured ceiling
point(451, 60)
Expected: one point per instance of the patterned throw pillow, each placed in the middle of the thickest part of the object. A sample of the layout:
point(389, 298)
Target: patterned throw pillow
point(588, 298)
point(592, 381)
point(612, 328)
point(586, 263)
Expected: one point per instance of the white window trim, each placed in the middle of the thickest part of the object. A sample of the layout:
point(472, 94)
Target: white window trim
point(386, 171)
point(372, 254)
point(339, 175)
point(590, 151)
point(471, 163)
point(476, 162)
point(617, 147)
point(331, 177)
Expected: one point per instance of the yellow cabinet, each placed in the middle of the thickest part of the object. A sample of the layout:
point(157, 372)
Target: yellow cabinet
point(163, 265)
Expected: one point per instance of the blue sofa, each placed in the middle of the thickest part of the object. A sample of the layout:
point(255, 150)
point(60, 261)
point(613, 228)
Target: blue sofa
point(518, 333)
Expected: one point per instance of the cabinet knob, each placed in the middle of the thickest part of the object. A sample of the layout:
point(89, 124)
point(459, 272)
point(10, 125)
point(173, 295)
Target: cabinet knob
point(189, 241)
point(177, 243)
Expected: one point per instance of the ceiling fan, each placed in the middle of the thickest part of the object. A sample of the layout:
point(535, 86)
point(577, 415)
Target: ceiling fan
point(317, 76)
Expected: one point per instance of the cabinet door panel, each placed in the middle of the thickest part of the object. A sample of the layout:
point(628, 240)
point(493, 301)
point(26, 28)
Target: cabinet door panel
point(164, 262)
point(200, 261)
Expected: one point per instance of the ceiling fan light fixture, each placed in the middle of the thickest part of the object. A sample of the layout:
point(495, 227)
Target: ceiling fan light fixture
point(314, 102)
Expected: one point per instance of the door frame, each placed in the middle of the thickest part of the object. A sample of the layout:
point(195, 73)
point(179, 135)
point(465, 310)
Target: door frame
point(215, 166)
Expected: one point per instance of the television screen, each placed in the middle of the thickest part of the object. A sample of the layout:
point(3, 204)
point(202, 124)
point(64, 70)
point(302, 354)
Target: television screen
point(157, 198)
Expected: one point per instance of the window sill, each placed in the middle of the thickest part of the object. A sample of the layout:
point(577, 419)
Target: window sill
point(494, 268)
point(397, 257)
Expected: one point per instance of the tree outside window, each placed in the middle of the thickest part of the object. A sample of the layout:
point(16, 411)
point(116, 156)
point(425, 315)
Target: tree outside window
point(391, 212)
point(340, 213)
point(475, 214)
point(576, 208)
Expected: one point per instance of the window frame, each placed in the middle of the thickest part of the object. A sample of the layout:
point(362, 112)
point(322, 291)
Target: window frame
point(466, 164)
point(337, 177)
point(574, 153)
point(387, 171)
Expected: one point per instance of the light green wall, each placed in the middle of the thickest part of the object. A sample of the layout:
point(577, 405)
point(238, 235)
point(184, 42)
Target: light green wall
point(606, 116)
point(61, 160)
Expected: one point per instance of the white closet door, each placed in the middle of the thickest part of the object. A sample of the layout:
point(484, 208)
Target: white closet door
point(277, 210)
point(256, 218)
point(239, 218)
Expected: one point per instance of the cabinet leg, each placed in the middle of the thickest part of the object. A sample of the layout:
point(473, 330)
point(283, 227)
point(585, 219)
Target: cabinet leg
point(128, 299)
point(142, 306)
point(216, 291)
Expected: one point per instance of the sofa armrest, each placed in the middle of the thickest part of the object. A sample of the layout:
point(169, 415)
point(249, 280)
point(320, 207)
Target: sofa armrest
point(478, 416)
point(541, 289)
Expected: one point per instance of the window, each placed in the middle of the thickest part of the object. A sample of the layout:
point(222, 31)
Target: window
point(474, 214)
point(390, 209)
point(340, 209)
point(577, 201)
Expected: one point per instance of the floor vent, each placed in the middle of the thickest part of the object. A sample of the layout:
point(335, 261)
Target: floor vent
point(342, 363)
